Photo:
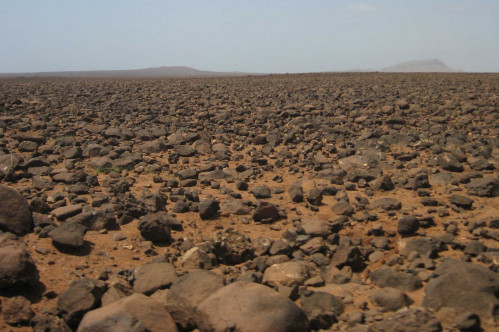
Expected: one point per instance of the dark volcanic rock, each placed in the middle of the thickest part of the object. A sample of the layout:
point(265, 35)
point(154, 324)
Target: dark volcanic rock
point(15, 214)
point(232, 247)
point(386, 277)
point(322, 309)
point(390, 299)
point(261, 191)
point(69, 235)
point(412, 320)
point(450, 163)
point(296, 192)
point(484, 187)
point(343, 208)
point(461, 201)
point(287, 274)
point(424, 246)
point(154, 227)
point(65, 212)
point(265, 212)
point(464, 287)
point(387, 204)
point(248, 307)
point(137, 313)
point(17, 311)
point(17, 268)
point(208, 208)
point(314, 196)
point(153, 276)
point(187, 292)
point(407, 225)
point(44, 322)
point(82, 295)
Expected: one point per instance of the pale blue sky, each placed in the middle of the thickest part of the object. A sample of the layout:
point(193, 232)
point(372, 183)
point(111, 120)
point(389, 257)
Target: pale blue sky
point(251, 36)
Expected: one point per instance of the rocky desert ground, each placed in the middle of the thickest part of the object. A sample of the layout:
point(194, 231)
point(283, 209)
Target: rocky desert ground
point(333, 202)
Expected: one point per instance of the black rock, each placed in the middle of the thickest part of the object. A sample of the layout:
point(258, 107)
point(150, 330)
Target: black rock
point(296, 192)
point(408, 225)
point(464, 287)
point(322, 309)
point(461, 201)
point(208, 208)
point(17, 268)
point(387, 204)
point(484, 187)
point(266, 212)
point(154, 227)
point(69, 235)
point(15, 214)
point(82, 295)
point(386, 277)
point(261, 191)
point(343, 208)
point(450, 163)
point(314, 196)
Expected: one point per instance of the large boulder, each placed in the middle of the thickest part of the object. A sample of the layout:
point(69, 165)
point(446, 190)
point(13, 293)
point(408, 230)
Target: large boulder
point(248, 307)
point(186, 293)
point(464, 287)
point(136, 313)
point(17, 268)
point(15, 214)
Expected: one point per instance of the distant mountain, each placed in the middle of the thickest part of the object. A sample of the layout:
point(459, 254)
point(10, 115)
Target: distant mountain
point(420, 66)
point(172, 71)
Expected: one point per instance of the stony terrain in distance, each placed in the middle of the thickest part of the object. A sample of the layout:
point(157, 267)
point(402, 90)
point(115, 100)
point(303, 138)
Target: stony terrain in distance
point(333, 202)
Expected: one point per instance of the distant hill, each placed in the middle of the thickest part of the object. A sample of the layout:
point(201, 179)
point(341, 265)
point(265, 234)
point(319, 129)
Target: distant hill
point(172, 71)
point(420, 66)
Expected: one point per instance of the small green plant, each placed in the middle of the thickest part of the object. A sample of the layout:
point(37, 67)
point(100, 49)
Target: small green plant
point(109, 169)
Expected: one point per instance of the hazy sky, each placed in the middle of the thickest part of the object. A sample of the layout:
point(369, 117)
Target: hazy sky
point(251, 36)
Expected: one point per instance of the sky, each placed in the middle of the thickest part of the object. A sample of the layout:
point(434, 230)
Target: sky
point(256, 36)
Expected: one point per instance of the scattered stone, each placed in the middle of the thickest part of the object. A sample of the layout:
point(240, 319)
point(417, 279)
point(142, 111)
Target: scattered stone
point(287, 274)
point(15, 214)
point(65, 212)
point(153, 276)
point(322, 309)
point(154, 227)
point(343, 208)
point(461, 201)
point(390, 299)
point(17, 268)
point(17, 311)
point(266, 212)
point(386, 277)
point(484, 187)
point(296, 193)
point(407, 225)
point(208, 208)
point(387, 204)
point(82, 296)
point(69, 235)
